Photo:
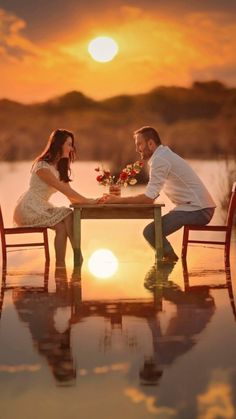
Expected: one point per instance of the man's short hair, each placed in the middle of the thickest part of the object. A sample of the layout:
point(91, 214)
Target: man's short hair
point(149, 133)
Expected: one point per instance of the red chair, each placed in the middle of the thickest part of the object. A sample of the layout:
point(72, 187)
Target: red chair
point(227, 229)
point(22, 230)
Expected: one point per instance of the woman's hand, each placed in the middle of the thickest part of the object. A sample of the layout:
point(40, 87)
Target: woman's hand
point(93, 201)
point(109, 199)
point(103, 198)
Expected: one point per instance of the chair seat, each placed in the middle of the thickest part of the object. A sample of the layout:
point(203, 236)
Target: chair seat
point(227, 229)
point(20, 230)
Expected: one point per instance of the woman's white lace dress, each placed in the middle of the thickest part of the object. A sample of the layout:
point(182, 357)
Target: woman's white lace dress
point(33, 208)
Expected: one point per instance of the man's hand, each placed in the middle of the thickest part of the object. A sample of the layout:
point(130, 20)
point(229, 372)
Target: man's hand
point(93, 201)
point(109, 199)
point(137, 199)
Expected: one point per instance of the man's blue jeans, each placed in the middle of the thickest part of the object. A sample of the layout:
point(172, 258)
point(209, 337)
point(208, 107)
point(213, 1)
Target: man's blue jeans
point(173, 221)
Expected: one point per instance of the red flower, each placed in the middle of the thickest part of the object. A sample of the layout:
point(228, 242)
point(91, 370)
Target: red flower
point(126, 177)
point(123, 175)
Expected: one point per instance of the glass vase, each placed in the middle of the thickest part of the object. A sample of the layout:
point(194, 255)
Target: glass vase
point(115, 190)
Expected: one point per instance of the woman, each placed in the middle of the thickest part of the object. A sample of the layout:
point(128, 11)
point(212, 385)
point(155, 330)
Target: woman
point(50, 173)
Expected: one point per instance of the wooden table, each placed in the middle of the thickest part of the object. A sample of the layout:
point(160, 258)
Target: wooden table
point(114, 212)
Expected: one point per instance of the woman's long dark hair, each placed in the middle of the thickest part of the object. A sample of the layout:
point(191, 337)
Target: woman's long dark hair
point(53, 152)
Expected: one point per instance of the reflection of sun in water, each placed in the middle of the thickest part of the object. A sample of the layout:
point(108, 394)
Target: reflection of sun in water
point(103, 49)
point(103, 263)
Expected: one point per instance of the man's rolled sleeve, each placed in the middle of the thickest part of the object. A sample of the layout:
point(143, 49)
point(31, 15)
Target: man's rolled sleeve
point(159, 170)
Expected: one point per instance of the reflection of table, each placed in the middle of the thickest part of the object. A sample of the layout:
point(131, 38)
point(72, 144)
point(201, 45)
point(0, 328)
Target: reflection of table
point(116, 211)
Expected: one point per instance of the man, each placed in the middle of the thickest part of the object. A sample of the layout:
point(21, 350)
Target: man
point(172, 174)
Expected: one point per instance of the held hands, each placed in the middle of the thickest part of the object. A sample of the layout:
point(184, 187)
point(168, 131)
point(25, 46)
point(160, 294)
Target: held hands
point(112, 197)
point(109, 199)
point(93, 201)
point(105, 199)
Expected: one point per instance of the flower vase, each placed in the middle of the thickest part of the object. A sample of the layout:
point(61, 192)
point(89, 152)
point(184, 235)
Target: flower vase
point(115, 190)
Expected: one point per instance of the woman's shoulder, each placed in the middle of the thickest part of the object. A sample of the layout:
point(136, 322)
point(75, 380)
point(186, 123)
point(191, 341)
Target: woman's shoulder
point(41, 164)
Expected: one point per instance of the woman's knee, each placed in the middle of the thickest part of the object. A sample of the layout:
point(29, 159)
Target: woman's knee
point(69, 217)
point(69, 220)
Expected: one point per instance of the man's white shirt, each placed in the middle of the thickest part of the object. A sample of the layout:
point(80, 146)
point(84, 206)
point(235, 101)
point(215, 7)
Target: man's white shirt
point(172, 174)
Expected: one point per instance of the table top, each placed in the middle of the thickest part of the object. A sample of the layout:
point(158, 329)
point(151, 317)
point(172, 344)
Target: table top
point(117, 206)
point(116, 211)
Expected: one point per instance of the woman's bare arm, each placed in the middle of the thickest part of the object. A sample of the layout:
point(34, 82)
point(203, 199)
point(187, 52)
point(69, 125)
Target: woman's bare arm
point(48, 177)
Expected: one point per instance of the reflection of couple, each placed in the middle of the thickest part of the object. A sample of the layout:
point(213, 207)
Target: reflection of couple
point(168, 171)
point(194, 308)
point(38, 309)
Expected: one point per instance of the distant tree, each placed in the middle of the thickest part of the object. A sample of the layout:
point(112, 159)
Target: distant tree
point(213, 86)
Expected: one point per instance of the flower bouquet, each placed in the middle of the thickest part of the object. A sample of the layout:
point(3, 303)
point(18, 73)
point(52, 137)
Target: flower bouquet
point(126, 177)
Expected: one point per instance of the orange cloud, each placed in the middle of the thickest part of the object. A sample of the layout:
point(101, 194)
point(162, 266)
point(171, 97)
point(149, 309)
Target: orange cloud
point(154, 49)
point(217, 400)
point(12, 44)
point(19, 368)
point(137, 396)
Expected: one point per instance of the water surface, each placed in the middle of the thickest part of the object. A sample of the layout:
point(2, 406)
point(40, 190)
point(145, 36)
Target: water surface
point(142, 343)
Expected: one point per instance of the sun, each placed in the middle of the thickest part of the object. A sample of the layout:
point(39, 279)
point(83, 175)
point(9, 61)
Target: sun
point(103, 263)
point(103, 49)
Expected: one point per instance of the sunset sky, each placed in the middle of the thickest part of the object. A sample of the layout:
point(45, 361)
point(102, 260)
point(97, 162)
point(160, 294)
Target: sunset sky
point(43, 46)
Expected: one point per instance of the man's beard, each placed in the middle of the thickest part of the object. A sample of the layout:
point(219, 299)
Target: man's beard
point(146, 154)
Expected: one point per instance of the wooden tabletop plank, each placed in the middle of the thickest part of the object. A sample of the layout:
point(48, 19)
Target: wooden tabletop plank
point(117, 211)
point(100, 206)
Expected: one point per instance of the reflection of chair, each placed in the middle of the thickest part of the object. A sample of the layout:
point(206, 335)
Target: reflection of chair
point(22, 230)
point(227, 285)
point(44, 274)
point(26, 288)
point(227, 229)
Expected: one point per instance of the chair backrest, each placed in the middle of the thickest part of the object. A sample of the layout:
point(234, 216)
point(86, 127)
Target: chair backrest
point(232, 207)
point(2, 234)
point(1, 222)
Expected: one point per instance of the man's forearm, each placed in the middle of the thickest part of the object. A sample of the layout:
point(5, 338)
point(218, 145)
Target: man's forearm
point(137, 199)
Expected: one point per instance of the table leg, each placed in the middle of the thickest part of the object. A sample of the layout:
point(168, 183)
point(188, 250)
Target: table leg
point(158, 234)
point(77, 236)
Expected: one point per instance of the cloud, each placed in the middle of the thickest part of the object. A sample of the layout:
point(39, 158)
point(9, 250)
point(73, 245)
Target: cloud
point(12, 369)
point(28, 69)
point(105, 369)
point(154, 49)
point(56, 16)
point(137, 396)
point(217, 400)
point(182, 7)
point(13, 45)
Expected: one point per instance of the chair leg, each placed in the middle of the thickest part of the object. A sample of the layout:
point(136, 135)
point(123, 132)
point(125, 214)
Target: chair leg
point(185, 275)
point(46, 276)
point(185, 242)
point(227, 247)
point(46, 246)
point(227, 253)
point(4, 265)
point(4, 254)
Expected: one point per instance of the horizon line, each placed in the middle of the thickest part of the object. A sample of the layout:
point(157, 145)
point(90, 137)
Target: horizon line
point(117, 95)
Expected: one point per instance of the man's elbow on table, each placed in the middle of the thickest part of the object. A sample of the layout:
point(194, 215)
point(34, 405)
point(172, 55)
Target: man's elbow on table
point(144, 199)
